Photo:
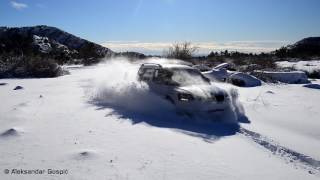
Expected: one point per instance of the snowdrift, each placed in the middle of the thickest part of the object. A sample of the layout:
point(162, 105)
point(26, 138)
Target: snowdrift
point(216, 74)
point(220, 73)
point(292, 77)
point(308, 66)
point(222, 66)
point(202, 67)
point(244, 80)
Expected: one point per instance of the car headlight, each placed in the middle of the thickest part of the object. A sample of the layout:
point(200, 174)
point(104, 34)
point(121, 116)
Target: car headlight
point(219, 97)
point(226, 96)
point(185, 97)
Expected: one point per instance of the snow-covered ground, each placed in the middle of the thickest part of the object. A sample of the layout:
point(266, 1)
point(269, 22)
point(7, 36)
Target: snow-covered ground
point(99, 124)
point(301, 65)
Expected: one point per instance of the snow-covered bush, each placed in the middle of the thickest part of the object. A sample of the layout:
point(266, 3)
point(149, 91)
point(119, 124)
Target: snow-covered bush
point(31, 66)
point(39, 67)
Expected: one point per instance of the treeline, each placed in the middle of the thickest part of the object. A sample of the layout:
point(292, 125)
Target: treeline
point(238, 59)
point(302, 52)
point(305, 49)
point(186, 51)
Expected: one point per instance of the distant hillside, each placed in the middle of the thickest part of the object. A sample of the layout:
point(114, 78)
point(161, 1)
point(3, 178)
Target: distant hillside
point(50, 42)
point(305, 48)
point(37, 51)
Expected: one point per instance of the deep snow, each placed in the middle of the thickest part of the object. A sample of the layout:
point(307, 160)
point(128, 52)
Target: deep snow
point(309, 66)
point(99, 124)
point(292, 77)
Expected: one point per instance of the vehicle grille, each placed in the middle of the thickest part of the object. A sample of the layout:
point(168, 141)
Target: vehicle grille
point(219, 97)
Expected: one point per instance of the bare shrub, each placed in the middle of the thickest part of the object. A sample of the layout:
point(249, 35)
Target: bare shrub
point(183, 51)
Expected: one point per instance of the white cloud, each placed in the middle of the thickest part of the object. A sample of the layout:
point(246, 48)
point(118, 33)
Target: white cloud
point(18, 5)
point(157, 48)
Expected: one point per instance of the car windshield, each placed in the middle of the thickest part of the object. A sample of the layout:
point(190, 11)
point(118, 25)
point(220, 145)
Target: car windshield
point(188, 77)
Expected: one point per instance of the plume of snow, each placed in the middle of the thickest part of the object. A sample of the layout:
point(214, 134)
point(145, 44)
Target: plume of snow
point(114, 85)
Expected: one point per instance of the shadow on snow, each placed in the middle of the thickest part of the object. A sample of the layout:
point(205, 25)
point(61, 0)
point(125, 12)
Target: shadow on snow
point(209, 129)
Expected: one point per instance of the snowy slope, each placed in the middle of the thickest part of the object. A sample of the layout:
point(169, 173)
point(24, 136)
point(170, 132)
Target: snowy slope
point(48, 39)
point(70, 123)
point(301, 65)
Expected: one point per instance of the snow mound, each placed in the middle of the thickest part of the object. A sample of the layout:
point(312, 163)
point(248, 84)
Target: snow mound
point(269, 92)
point(85, 155)
point(10, 132)
point(222, 66)
point(308, 66)
point(202, 67)
point(220, 73)
point(244, 80)
point(216, 74)
point(293, 77)
point(18, 88)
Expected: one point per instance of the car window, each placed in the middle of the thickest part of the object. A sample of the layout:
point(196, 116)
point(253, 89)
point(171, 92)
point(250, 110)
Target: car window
point(146, 74)
point(188, 77)
point(164, 76)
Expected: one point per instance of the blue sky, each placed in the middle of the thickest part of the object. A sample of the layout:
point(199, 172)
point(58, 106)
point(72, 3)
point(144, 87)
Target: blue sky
point(151, 25)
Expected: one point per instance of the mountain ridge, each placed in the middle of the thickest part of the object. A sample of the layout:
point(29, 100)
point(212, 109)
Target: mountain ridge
point(306, 48)
point(30, 39)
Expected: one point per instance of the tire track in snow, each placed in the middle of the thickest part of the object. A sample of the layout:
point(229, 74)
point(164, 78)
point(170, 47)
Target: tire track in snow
point(291, 156)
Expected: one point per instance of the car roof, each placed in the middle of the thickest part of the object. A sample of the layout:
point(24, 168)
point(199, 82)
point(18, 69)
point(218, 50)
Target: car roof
point(166, 66)
point(150, 65)
point(176, 66)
